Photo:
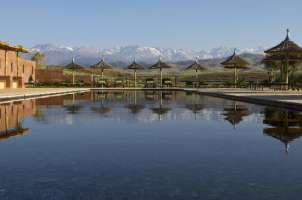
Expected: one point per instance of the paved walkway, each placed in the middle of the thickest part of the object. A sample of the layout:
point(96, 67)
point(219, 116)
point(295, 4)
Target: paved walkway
point(8, 94)
point(288, 99)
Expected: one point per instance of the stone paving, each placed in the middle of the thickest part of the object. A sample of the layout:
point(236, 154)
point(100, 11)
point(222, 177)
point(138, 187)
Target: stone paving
point(7, 94)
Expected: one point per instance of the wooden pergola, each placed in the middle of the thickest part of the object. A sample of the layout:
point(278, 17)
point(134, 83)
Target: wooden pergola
point(235, 62)
point(285, 55)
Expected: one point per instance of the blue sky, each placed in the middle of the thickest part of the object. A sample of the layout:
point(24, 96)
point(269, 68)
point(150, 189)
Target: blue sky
point(195, 24)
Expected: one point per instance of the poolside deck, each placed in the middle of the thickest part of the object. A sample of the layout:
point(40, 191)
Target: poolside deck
point(286, 99)
point(13, 94)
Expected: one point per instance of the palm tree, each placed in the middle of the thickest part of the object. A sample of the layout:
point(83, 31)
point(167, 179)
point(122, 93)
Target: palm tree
point(38, 58)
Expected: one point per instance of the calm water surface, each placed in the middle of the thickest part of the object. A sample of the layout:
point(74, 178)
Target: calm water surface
point(148, 145)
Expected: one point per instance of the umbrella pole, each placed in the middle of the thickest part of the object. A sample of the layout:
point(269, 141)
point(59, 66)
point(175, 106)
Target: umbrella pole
point(134, 78)
point(102, 78)
point(235, 77)
point(196, 77)
point(161, 77)
point(73, 77)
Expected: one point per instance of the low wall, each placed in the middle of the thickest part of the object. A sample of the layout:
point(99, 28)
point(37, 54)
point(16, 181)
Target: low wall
point(55, 75)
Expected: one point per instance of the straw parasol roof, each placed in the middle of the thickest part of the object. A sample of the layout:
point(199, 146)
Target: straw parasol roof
point(286, 45)
point(235, 61)
point(73, 65)
point(161, 65)
point(196, 66)
point(102, 65)
point(135, 66)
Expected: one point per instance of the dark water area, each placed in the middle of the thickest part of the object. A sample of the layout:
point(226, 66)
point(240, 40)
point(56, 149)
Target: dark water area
point(148, 145)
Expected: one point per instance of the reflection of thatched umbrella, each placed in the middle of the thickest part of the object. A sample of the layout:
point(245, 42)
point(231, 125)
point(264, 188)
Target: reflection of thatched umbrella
point(161, 110)
point(73, 66)
point(102, 109)
point(101, 66)
point(134, 107)
point(235, 62)
point(286, 126)
point(135, 66)
point(73, 109)
point(285, 54)
point(196, 67)
point(235, 114)
point(161, 65)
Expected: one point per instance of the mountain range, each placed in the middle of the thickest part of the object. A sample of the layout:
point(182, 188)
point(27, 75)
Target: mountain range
point(121, 56)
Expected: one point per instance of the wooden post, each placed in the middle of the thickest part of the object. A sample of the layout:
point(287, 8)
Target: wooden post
point(235, 77)
point(73, 77)
point(102, 78)
point(135, 78)
point(161, 77)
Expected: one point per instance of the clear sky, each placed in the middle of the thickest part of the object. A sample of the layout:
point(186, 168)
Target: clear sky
point(195, 24)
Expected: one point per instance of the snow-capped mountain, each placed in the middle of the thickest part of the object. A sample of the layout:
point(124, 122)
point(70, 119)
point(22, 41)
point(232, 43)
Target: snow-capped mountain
point(61, 55)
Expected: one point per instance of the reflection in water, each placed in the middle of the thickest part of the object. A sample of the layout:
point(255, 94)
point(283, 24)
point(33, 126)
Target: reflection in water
point(12, 115)
point(102, 108)
point(195, 105)
point(72, 153)
point(235, 113)
point(134, 107)
point(161, 109)
point(286, 126)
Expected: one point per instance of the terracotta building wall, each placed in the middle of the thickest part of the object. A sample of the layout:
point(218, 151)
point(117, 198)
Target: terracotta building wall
point(15, 68)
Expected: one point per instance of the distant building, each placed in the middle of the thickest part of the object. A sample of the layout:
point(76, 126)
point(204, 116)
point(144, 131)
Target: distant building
point(15, 71)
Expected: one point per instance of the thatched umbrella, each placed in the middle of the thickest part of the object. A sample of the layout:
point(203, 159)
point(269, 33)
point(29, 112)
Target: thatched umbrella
point(135, 66)
point(196, 67)
point(235, 114)
point(73, 66)
point(161, 65)
point(235, 62)
point(102, 65)
point(285, 54)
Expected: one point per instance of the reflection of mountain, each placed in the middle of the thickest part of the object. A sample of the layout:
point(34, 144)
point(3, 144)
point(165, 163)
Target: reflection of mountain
point(235, 114)
point(12, 115)
point(286, 126)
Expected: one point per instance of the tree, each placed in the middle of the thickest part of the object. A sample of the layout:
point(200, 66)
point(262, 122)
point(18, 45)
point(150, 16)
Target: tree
point(38, 58)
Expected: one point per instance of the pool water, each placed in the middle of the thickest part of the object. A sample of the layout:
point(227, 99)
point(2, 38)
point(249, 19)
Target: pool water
point(148, 145)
